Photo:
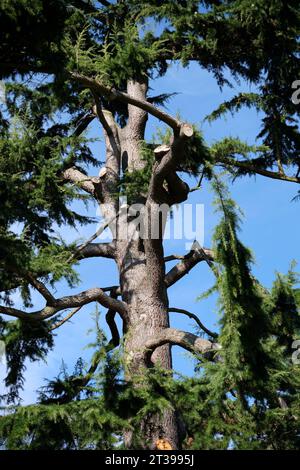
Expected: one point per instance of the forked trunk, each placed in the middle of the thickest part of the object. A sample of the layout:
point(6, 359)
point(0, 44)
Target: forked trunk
point(140, 262)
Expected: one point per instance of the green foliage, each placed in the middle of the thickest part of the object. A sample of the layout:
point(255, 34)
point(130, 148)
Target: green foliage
point(27, 41)
point(55, 256)
point(285, 309)
point(24, 340)
point(235, 104)
point(247, 399)
point(197, 156)
point(251, 391)
point(35, 203)
point(228, 149)
point(276, 27)
point(244, 323)
point(75, 414)
point(124, 55)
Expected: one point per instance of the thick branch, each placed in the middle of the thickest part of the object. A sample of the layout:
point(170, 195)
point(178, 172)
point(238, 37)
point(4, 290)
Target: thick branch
point(93, 250)
point(110, 320)
point(113, 94)
point(91, 185)
point(44, 314)
point(176, 337)
point(110, 174)
point(194, 317)
point(41, 288)
point(183, 267)
point(91, 295)
point(164, 169)
point(81, 248)
point(99, 112)
point(72, 301)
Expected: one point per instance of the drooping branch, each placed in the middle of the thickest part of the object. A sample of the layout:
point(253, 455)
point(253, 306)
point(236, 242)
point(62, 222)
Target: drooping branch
point(110, 320)
point(252, 168)
point(175, 337)
point(190, 260)
point(84, 123)
point(113, 94)
point(72, 301)
point(65, 319)
point(197, 320)
point(40, 287)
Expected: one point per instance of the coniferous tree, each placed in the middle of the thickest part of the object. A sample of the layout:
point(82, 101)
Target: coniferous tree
point(65, 64)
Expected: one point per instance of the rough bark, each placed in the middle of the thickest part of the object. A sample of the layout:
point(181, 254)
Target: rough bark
point(146, 299)
point(141, 269)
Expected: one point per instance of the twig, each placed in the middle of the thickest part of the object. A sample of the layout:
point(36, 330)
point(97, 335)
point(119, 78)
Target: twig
point(194, 317)
point(64, 320)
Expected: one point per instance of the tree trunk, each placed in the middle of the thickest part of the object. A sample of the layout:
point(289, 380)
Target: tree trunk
point(147, 316)
point(140, 260)
point(142, 271)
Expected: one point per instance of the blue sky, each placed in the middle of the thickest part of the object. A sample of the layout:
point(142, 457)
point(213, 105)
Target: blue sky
point(271, 227)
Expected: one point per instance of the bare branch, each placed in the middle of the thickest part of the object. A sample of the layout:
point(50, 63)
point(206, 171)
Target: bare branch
point(194, 317)
point(164, 169)
point(174, 257)
point(91, 185)
point(98, 112)
point(65, 319)
point(110, 320)
point(93, 250)
point(72, 301)
point(84, 246)
point(198, 186)
point(110, 174)
point(113, 94)
point(190, 260)
point(176, 337)
point(90, 295)
point(44, 314)
point(83, 123)
point(41, 288)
